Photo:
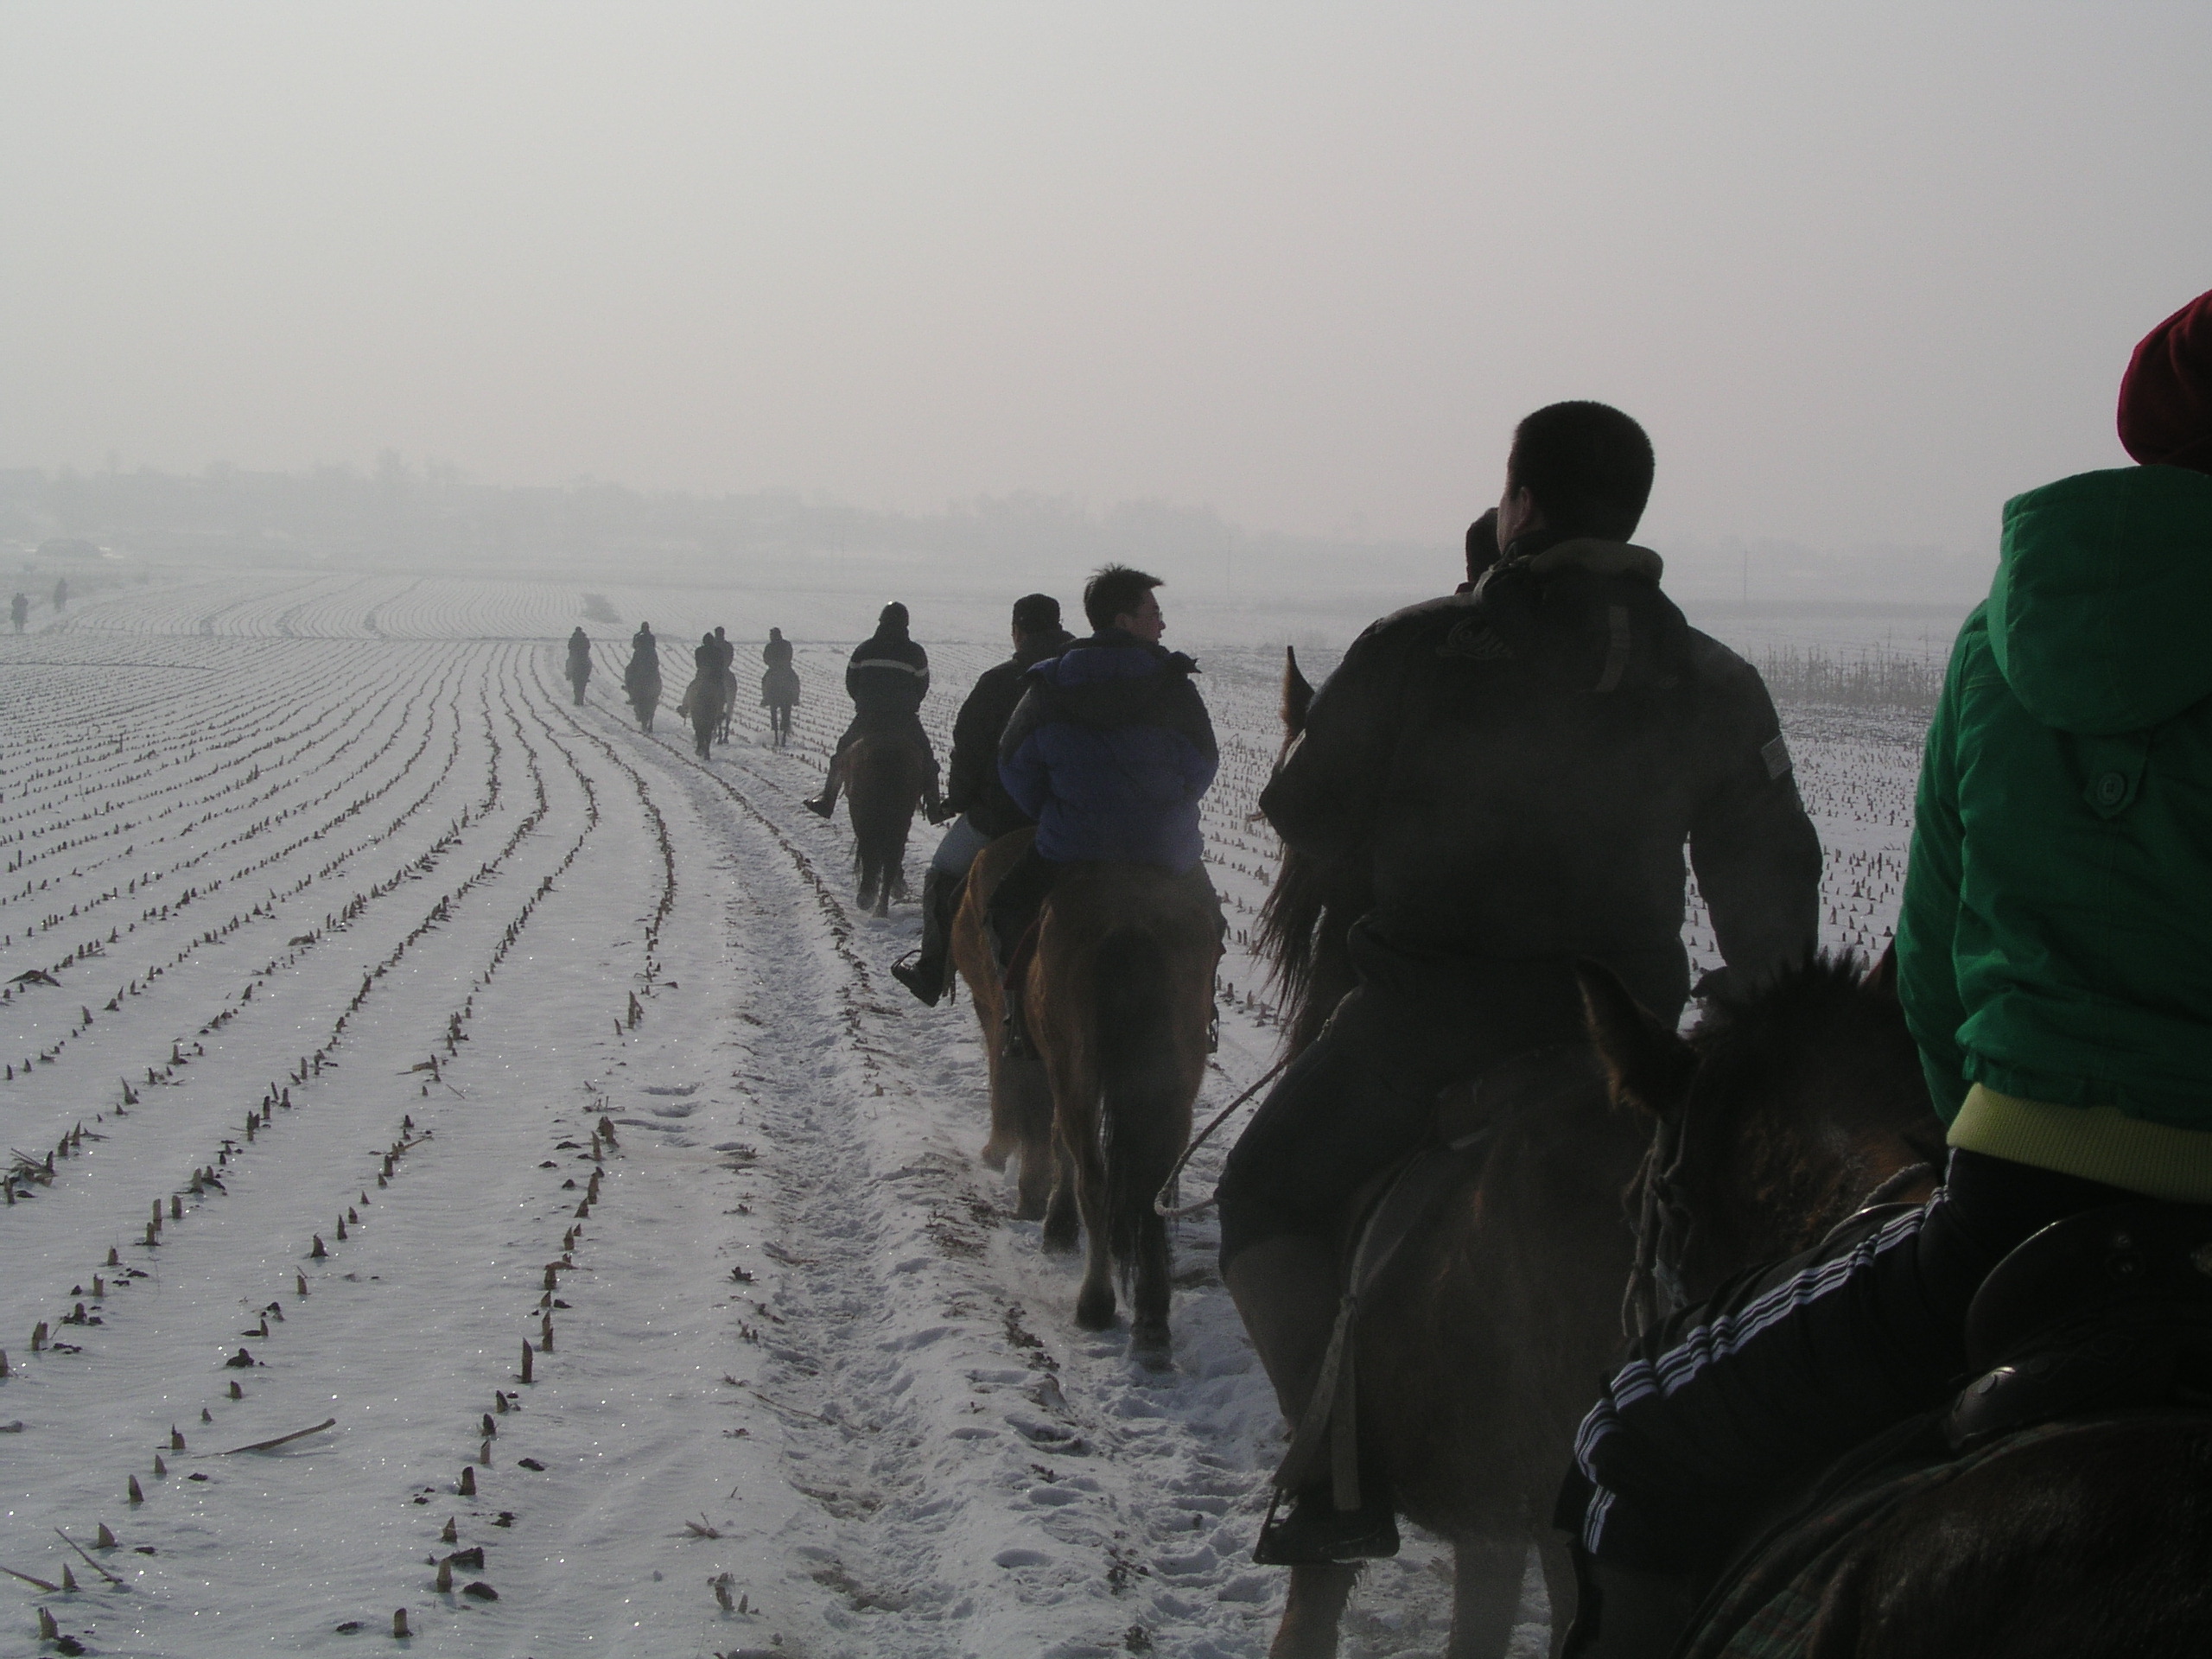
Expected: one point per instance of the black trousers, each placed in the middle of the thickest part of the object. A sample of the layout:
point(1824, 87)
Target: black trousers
point(1729, 1405)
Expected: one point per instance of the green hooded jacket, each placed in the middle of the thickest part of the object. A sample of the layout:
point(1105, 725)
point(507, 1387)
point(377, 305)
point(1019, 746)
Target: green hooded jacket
point(2055, 951)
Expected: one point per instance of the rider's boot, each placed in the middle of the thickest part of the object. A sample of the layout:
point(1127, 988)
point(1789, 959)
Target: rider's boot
point(1624, 1614)
point(925, 975)
point(1286, 1289)
point(824, 805)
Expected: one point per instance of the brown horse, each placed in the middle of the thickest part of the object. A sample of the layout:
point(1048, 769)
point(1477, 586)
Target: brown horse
point(641, 684)
point(1118, 999)
point(1021, 1095)
point(705, 701)
point(1480, 1348)
point(779, 692)
point(884, 774)
point(2090, 1539)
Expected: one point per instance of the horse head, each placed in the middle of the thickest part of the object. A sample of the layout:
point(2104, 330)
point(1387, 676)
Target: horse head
point(1778, 1115)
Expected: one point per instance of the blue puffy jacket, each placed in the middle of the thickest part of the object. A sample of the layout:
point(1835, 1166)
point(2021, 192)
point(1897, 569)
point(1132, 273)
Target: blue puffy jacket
point(1109, 750)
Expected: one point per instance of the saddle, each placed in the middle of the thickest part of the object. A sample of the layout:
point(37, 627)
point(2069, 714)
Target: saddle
point(1391, 1209)
point(2108, 1310)
point(2103, 1315)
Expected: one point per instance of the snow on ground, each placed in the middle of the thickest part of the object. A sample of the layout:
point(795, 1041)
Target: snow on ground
point(358, 930)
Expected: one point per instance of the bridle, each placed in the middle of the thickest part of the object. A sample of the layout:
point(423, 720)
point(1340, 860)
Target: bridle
point(1664, 1226)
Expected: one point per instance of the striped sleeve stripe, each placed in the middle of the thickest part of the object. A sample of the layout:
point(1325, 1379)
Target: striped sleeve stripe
point(1640, 1378)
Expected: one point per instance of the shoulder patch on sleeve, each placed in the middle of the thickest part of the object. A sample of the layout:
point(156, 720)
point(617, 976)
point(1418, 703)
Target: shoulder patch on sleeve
point(1775, 753)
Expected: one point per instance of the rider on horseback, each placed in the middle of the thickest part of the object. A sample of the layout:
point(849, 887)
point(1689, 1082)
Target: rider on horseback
point(1516, 768)
point(2050, 957)
point(886, 679)
point(1108, 750)
point(973, 788)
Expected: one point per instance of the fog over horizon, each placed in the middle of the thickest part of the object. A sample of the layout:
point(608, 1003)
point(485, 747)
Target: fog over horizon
point(1293, 272)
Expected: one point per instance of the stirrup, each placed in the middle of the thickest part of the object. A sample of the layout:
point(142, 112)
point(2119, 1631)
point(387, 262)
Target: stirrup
point(907, 970)
point(1315, 1533)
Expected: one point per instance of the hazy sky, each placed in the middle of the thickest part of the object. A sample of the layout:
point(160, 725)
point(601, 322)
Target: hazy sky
point(1863, 269)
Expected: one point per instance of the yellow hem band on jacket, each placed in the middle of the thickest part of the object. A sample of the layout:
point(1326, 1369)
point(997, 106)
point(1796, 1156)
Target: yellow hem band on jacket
point(2097, 1143)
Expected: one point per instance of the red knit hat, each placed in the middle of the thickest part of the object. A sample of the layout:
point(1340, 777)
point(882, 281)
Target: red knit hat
point(2165, 397)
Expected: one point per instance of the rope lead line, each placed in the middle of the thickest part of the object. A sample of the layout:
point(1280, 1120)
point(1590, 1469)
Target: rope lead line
point(1162, 1204)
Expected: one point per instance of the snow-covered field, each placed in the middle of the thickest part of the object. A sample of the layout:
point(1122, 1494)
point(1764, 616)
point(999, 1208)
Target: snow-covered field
point(360, 933)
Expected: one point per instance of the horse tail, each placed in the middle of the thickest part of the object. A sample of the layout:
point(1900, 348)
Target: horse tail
point(1302, 934)
point(1140, 1094)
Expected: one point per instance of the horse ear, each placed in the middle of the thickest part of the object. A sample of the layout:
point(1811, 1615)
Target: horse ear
point(1647, 1066)
point(1882, 977)
point(1297, 694)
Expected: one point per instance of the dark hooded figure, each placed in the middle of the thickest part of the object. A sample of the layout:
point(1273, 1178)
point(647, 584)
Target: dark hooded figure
point(973, 789)
point(777, 653)
point(1517, 769)
point(579, 650)
point(725, 649)
point(887, 677)
point(19, 608)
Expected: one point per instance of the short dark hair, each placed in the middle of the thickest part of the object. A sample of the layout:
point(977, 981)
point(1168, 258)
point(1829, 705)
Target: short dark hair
point(1036, 613)
point(1116, 590)
point(1588, 465)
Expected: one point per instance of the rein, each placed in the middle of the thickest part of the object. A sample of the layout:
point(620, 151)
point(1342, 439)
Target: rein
point(1665, 1225)
point(1163, 1202)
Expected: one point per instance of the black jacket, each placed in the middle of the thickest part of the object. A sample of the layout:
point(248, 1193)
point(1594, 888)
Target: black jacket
point(1519, 768)
point(887, 676)
point(972, 783)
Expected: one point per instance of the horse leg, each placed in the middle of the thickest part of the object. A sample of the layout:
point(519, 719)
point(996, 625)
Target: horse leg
point(1075, 1126)
point(1027, 1102)
point(1062, 1219)
point(1312, 1612)
point(1486, 1576)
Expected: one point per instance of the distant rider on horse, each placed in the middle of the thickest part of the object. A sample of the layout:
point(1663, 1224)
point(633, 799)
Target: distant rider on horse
point(886, 678)
point(1108, 750)
point(644, 657)
point(1517, 769)
point(973, 789)
point(19, 610)
point(2051, 962)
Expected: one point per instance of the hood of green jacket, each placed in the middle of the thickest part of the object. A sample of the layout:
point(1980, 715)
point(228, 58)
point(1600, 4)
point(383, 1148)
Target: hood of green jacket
point(2100, 617)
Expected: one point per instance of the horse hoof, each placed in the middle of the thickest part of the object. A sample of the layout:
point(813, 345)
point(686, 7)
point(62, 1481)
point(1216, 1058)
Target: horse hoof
point(1094, 1310)
point(994, 1156)
point(1151, 1347)
point(1059, 1238)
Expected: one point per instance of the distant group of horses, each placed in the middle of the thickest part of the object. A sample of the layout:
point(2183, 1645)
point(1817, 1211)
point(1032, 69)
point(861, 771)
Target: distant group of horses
point(709, 702)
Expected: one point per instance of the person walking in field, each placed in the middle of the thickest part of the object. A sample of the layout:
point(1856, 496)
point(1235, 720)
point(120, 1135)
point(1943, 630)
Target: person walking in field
point(19, 608)
point(974, 790)
point(2050, 956)
point(887, 677)
point(1516, 770)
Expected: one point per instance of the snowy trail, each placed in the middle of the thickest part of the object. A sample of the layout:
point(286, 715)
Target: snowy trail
point(338, 854)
